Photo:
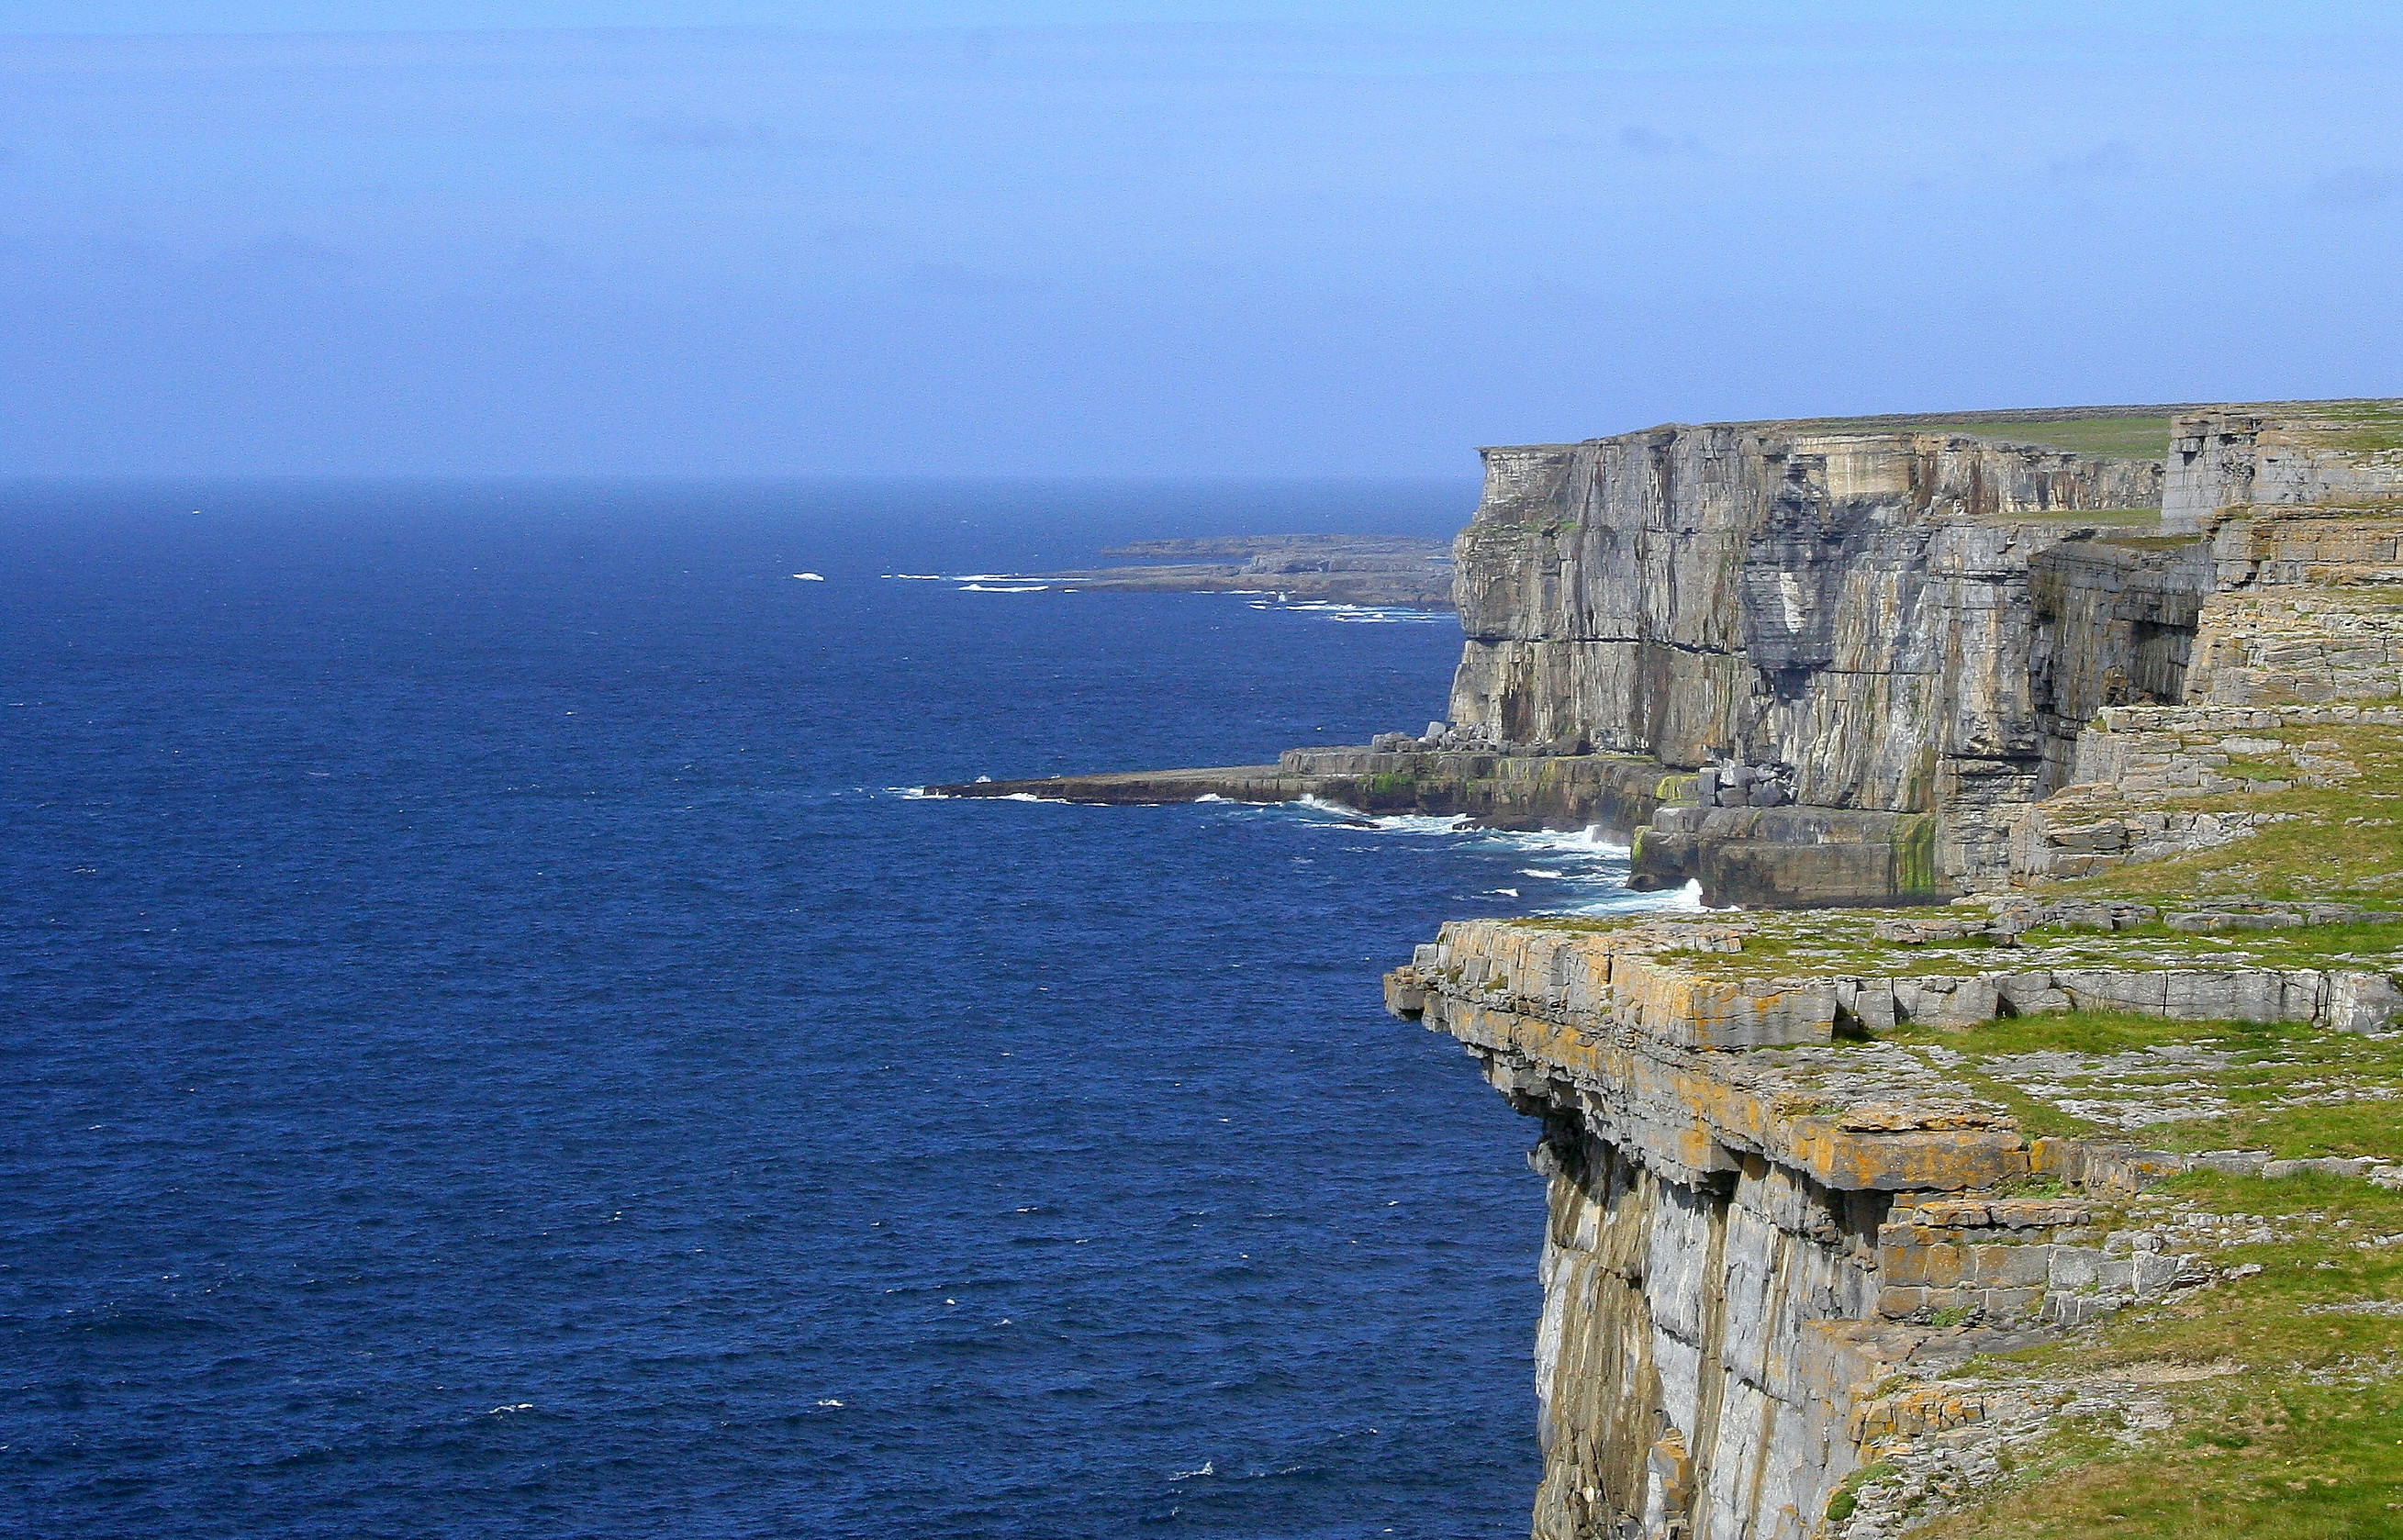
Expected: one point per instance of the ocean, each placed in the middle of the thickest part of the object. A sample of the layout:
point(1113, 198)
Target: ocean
point(497, 1044)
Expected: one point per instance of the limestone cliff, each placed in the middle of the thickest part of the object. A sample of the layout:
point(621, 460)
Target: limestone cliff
point(1853, 603)
point(1845, 1204)
point(1889, 633)
point(1782, 1223)
point(1815, 1180)
point(1908, 621)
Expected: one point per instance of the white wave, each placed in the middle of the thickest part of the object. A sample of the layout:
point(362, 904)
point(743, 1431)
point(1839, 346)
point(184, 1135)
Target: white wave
point(919, 576)
point(1002, 588)
point(1209, 1468)
point(1382, 823)
point(1424, 823)
point(1538, 871)
point(1688, 899)
point(921, 794)
point(1584, 842)
point(1506, 893)
point(809, 577)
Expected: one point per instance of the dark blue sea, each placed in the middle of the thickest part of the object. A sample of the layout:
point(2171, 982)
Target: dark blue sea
point(493, 1045)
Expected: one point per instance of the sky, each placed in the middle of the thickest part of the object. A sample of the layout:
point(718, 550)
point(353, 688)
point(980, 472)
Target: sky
point(1095, 238)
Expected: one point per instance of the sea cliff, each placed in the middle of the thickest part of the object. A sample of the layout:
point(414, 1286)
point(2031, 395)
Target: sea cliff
point(2010, 1145)
point(1876, 1220)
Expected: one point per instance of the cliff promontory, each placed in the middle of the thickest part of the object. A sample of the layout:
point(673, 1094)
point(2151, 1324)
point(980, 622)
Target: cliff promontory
point(2013, 1143)
point(2070, 1208)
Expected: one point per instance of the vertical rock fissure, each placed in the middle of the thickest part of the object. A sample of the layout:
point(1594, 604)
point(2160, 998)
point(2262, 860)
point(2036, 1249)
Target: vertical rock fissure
point(1711, 1357)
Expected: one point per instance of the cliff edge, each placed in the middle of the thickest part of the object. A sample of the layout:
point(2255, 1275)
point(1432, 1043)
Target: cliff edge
point(2019, 1149)
point(2072, 1207)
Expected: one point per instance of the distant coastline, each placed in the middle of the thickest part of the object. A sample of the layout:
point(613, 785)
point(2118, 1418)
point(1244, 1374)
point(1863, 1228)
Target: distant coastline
point(1403, 571)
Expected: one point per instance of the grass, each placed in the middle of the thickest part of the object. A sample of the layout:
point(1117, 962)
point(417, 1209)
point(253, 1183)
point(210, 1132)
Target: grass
point(2343, 841)
point(2291, 1429)
point(2112, 518)
point(2368, 425)
point(2072, 1032)
point(2147, 542)
point(2116, 438)
point(2274, 1067)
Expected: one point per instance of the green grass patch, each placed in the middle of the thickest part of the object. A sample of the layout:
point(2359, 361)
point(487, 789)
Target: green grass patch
point(2147, 542)
point(2085, 1032)
point(2293, 1089)
point(2128, 519)
point(2289, 1416)
point(2367, 426)
point(2110, 437)
point(2343, 841)
point(1846, 1500)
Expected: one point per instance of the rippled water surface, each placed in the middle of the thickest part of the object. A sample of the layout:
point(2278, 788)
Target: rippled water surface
point(492, 1046)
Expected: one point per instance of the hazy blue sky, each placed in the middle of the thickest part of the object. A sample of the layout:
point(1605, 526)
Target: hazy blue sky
point(1098, 237)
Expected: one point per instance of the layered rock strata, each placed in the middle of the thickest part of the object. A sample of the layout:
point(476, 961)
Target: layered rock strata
point(2293, 452)
point(1896, 617)
point(1762, 1240)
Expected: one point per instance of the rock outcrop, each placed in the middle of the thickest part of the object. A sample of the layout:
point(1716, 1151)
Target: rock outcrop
point(1789, 1202)
point(1769, 1235)
point(1614, 793)
point(2287, 452)
point(1911, 626)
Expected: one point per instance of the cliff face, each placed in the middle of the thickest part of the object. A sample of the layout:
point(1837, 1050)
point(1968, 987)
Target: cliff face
point(1780, 1226)
point(1837, 662)
point(1853, 604)
point(1813, 1178)
point(1772, 1238)
point(1909, 625)
point(2282, 453)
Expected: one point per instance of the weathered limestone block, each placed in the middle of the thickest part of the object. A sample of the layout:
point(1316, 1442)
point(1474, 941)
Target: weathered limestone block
point(2307, 607)
point(2198, 994)
point(1611, 977)
point(2279, 453)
